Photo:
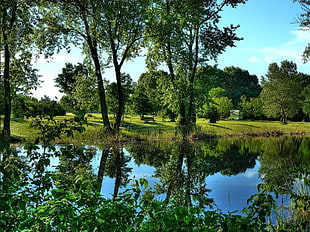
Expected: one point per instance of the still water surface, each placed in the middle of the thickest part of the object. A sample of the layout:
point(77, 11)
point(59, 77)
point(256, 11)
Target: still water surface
point(224, 172)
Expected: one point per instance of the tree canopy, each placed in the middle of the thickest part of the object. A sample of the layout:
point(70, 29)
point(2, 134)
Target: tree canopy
point(238, 82)
point(183, 35)
point(281, 92)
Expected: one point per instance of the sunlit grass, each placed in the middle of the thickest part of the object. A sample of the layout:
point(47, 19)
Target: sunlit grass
point(22, 129)
point(252, 127)
point(133, 128)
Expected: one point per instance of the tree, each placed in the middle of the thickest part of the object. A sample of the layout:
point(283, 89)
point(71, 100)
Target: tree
point(111, 32)
point(78, 83)
point(252, 108)
point(202, 87)
point(85, 96)
point(304, 22)
point(17, 20)
point(183, 35)
point(66, 81)
point(75, 22)
point(281, 91)
point(238, 82)
point(223, 105)
point(154, 84)
point(123, 23)
point(141, 103)
point(112, 96)
point(305, 100)
point(218, 99)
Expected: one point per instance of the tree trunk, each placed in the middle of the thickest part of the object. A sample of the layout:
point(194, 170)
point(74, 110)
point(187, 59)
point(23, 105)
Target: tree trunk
point(6, 131)
point(192, 112)
point(120, 96)
point(118, 172)
point(92, 44)
point(176, 179)
point(101, 90)
point(102, 166)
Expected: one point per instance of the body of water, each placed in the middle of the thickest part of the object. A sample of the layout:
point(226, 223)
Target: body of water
point(226, 171)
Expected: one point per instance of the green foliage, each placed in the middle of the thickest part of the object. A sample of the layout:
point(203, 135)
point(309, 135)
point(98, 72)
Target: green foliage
point(40, 200)
point(17, 21)
point(281, 92)
point(217, 100)
point(187, 35)
point(212, 114)
point(50, 129)
point(237, 82)
point(252, 108)
point(223, 105)
point(304, 22)
point(305, 100)
point(79, 85)
point(128, 87)
point(141, 103)
point(23, 106)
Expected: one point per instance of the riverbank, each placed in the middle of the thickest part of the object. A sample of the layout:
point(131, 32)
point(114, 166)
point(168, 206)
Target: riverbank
point(133, 128)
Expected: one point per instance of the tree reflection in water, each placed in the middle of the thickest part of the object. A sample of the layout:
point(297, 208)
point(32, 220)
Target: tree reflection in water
point(113, 164)
point(183, 166)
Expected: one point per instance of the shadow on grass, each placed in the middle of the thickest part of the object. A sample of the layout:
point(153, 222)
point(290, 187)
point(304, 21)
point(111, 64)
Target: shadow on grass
point(215, 125)
point(247, 125)
point(147, 125)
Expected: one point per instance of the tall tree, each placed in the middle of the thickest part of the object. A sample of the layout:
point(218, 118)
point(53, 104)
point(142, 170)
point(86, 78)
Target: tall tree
point(112, 96)
point(153, 85)
point(304, 22)
point(281, 91)
point(16, 27)
point(111, 29)
point(75, 22)
point(124, 23)
point(184, 34)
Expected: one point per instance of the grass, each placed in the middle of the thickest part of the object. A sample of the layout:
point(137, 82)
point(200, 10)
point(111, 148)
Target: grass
point(227, 128)
point(134, 128)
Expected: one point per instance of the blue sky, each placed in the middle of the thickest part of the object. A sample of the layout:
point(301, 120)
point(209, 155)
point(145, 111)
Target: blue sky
point(269, 35)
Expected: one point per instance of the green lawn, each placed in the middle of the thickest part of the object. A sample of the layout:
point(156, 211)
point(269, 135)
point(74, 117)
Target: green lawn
point(134, 128)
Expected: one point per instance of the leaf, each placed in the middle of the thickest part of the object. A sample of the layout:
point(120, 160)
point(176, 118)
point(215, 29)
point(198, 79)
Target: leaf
point(61, 216)
point(144, 183)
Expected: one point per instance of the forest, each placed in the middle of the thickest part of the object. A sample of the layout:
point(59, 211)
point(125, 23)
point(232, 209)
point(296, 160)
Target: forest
point(178, 40)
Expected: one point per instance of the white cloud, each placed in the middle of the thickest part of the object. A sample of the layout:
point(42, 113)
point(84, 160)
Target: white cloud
point(302, 37)
point(254, 59)
point(250, 174)
point(268, 59)
point(291, 50)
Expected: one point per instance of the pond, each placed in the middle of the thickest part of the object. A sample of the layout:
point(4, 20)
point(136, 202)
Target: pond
point(221, 173)
point(225, 172)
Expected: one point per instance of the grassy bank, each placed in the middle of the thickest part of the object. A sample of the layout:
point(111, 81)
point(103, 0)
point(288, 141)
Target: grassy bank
point(135, 128)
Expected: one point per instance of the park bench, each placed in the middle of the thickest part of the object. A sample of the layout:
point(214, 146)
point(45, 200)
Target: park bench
point(148, 118)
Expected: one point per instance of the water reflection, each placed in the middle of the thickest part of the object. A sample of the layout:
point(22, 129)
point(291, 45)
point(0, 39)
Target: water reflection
point(184, 168)
point(224, 171)
point(114, 164)
point(283, 161)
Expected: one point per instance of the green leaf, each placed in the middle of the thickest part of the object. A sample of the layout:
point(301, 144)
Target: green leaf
point(61, 216)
